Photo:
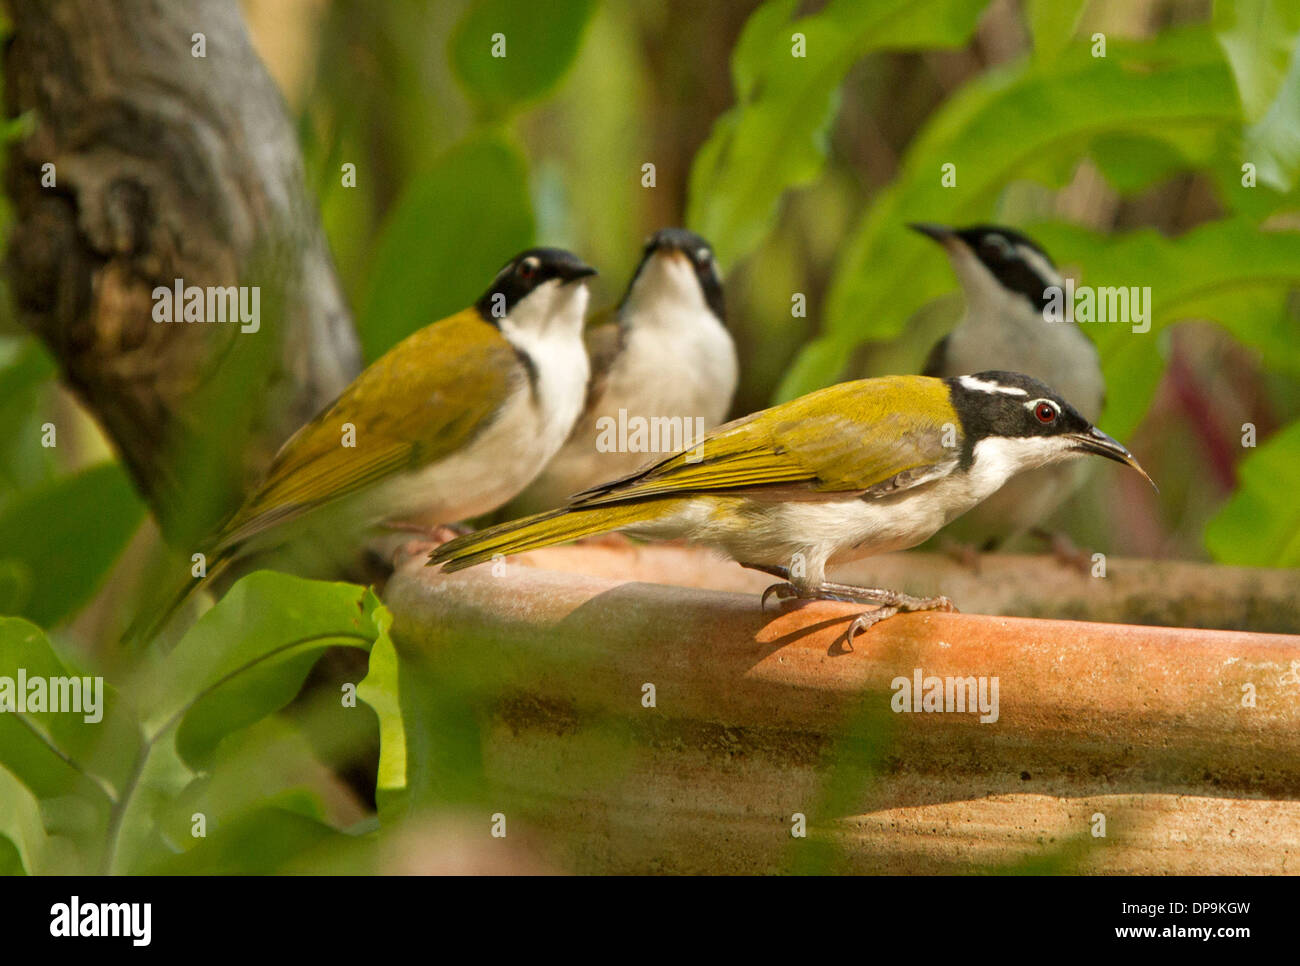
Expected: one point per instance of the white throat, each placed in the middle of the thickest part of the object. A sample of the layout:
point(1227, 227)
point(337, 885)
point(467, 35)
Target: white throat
point(997, 459)
point(546, 326)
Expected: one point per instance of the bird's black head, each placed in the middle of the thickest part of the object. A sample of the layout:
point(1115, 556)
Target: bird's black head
point(1016, 261)
point(1036, 425)
point(524, 274)
point(697, 253)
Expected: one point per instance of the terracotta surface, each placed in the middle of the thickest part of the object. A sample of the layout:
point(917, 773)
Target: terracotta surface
point(759, 716)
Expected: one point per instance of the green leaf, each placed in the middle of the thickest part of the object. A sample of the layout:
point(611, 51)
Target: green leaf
point(63, 537)
point(1259, 526)
point(775, 138)
point(265, 841)
point(998, 128)
point(1258, 38)
point(1052, 24)
point(248, 656)
point(1215, 272)
point(381, 690)
point(76, 760)
point(449, 234)
point(1261, 40)
point(26, 376)
point(22, 837)
point(1132, 162)
point(540, 41)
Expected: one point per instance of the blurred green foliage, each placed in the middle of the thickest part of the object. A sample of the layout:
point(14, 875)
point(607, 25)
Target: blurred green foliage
point(1270, 480)
point(126, 793)
point(508, 53)
point(436, 248)
point(776, 137)
point(802, 171)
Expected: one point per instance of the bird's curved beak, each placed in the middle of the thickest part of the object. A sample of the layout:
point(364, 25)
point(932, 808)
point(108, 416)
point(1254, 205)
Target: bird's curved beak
point(1095, 441)
point(952, 242)
point(578, 270)
point(940, 233)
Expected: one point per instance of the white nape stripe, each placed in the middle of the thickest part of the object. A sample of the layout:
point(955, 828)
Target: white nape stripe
point(988, 385)
point(1041, 266)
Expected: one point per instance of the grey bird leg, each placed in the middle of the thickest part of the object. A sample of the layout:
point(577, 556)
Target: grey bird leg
point(891, 601)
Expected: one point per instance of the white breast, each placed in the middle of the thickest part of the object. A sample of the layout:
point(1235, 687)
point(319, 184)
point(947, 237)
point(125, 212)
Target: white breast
point(827, 532)
point(678, 362)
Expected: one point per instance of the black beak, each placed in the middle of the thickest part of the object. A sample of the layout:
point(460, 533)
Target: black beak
point(940, 233)
point(1096, 442)
point(573, 271)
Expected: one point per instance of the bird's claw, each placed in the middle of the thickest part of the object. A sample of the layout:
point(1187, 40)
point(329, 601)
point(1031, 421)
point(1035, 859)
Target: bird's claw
point(783, 591)
point(863, 621)
point(866, 620)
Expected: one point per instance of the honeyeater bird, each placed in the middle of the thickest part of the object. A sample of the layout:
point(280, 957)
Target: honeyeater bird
point(450, 423)
point(855, 469)
point(1004, 276)
point(664, 365)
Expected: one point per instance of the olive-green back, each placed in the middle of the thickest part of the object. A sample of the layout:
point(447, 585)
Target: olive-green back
point(846, 438)
point(423, 399)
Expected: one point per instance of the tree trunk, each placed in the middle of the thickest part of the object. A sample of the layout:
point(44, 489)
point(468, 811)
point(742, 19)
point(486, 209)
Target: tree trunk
point(167, 165)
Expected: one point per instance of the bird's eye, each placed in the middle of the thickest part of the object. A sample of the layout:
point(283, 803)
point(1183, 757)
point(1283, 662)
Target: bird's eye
point(703, 256)
point(528, 268)
point(1045, 413)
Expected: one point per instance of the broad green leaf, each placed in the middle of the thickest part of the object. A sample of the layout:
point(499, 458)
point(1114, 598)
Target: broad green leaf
point(775, 137)
point(265, 841)
point(1052, 24)
point(1261, 40)
point(1131, 161)
point(534, 45)
point(65, 735)
point(1259, 526)
point(1258, 38)
point(63, 536)
point(270, 762)
point(26, 376)
point(449, 234)
point(1000, 126)
point(1220, 271)
point(380, 689)
point(22, 837)
point(248, 656)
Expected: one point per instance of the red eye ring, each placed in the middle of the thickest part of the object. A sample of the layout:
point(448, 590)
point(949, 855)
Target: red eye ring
point(1045, 412)
point(527, 269)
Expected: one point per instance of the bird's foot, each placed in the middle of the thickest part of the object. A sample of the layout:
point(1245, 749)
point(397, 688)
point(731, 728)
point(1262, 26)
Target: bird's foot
point(890, 602)
point(782, 592)
point(1066, 551)
point(439, 533)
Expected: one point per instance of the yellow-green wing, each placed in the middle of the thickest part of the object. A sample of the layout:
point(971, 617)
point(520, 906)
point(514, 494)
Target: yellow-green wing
point(423, 399)
point(846, 438)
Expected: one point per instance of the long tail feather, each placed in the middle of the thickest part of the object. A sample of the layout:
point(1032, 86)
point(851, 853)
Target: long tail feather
point(152, 620)
point(541, 530)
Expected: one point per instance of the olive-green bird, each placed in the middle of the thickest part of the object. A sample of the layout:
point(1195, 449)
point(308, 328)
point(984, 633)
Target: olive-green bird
point(852, 470)
point(450, 423)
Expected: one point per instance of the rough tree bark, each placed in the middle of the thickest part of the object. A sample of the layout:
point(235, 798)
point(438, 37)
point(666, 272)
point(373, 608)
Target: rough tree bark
point(167, 165)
